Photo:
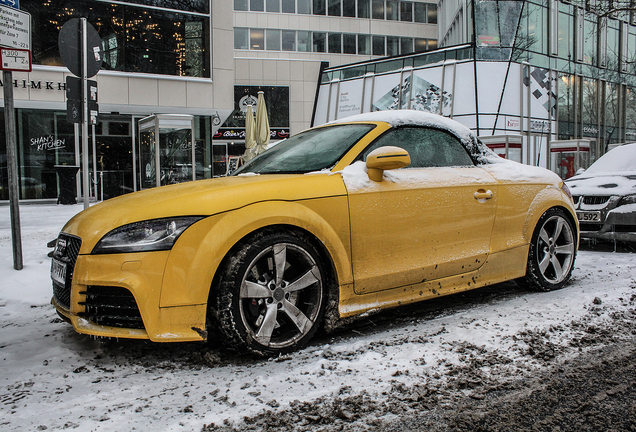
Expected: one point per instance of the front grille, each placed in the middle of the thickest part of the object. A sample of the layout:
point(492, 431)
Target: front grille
point(111, 306)
point(595, 200)
point(590, 227)
point(625, 228)
point(66, 254)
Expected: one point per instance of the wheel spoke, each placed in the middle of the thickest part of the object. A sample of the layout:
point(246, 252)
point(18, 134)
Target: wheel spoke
point(566, 249)
point(264, 334)
point(302, 323)
point(544, 235)
point(308, 279)
point(545, 262)
point(558, 270)
point(254, 290)
point(280, 259)
point(558, 228)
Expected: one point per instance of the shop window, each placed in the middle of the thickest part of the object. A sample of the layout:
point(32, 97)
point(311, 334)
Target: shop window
point(289, 40)
point(349, 8)
point(406, 11)
point(257, 39)
point(349, 43)
point(241, 36)
point(289, 6)
point(364, 9)
point(137, 39)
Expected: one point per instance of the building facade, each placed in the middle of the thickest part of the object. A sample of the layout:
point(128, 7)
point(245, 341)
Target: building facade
point(206, 59)
point(552, 82)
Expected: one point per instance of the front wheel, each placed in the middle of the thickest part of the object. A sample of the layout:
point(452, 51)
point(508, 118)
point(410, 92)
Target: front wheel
point(271, 295)
point(552, 252)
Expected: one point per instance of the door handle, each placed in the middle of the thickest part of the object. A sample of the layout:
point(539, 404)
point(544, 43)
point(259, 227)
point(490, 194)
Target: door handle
point(482, 195)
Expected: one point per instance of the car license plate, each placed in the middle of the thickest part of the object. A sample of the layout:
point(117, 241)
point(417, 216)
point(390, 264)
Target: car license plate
point(58, 272)
point(589, 216)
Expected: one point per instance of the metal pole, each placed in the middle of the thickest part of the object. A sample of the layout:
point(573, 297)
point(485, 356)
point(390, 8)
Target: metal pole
point(94, 163)
point(12, 168)
point(85, 178)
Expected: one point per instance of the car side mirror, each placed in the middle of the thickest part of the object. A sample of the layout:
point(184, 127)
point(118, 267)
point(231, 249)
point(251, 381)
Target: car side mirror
point(386, 158)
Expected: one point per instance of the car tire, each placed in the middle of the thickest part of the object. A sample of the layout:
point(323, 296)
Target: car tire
point(271, 294)
point(552, 252)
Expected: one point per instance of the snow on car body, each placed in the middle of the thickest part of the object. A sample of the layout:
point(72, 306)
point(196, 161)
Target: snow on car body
point(373, 211)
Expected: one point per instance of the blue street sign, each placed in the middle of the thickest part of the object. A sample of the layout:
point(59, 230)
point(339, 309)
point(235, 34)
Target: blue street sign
point(11, 3)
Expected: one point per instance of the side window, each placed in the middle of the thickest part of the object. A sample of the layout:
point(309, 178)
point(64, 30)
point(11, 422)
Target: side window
point(427, 147)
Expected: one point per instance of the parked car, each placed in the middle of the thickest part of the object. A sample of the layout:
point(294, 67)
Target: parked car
point(605, 196)
point(362, 214)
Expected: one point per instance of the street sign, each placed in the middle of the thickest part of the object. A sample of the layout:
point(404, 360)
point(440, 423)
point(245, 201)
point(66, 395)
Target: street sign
point(70, 44)
point(11, 3)
point(15, 60)
point(15, 28)
point(74, 89)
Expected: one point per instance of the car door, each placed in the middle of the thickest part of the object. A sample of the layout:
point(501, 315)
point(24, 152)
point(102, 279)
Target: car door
point(431, 220)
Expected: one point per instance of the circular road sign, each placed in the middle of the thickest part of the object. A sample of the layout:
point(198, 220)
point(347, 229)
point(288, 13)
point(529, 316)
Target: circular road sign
point(70, 44)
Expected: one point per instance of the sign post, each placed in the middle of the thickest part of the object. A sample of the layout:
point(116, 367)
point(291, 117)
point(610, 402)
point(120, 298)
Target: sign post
point(81, 51)
point(15, 54)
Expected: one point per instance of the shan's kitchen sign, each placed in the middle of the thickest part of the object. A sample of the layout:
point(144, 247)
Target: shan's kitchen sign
point(37, 85)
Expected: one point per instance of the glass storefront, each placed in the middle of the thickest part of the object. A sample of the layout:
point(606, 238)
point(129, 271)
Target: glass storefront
point(135, 39)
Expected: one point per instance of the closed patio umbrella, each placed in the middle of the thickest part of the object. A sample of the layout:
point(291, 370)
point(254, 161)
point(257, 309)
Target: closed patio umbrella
point(262, 124)
point(250, 135)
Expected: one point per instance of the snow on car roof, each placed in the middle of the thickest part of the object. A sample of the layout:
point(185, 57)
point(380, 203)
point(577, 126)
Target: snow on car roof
point(619, 159)
point(411, 117)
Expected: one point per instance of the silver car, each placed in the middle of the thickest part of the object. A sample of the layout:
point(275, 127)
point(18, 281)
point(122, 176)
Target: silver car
point(605, 196)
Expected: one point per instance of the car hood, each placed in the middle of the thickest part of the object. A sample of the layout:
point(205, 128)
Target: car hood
point(201, 198)
point(623, 183)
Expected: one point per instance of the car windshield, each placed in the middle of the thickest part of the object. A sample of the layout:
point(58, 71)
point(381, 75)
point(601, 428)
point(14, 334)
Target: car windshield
point(312, 150)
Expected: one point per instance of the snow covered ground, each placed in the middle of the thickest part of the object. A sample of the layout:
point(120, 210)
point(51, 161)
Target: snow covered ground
point(52, 378)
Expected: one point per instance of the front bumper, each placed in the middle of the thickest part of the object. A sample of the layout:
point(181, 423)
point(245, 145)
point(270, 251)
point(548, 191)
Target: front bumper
point(616, 222)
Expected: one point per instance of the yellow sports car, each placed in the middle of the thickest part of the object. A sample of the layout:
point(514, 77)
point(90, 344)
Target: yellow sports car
point(366, 213)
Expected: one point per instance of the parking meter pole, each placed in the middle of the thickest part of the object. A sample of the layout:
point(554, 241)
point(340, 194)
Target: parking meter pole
point(12, 169)
point(85, 174)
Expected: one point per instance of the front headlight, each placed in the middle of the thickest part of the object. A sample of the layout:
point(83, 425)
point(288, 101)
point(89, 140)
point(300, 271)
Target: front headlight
point(627, 199)
point(151, 235)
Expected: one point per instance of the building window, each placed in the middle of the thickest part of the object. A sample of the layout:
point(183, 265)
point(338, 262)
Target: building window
point(318, 41)
point(377, 7)
point(378, 45)
point(304, 7)
point(420, 12)
point(335, 43)
point(349, 8)
point(406, 11)
point(392, 10)
point(406, 45)
point(319, 7)
point(334, 8)
point(257, 39)
point(241, 36)
point(304, 41)
point(364, 9)
point(289, 40)
point(273, 6)
point(431, 14)
point(392, 45)
point(257, 5)
point(240, 5)
point(364, 44)
point(420, 45)
point(349, 43)
point(272, 41)
point(289, 6)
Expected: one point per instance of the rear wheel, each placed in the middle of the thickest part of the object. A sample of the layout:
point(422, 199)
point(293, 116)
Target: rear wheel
point(271, 295)
point(552, 252)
